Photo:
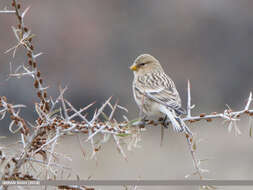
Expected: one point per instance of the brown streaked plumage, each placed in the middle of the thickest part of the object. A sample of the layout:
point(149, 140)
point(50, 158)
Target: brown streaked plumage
point(155, 93)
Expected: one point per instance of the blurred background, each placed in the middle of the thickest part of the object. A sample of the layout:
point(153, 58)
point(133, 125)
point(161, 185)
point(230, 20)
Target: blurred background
point(89, 46)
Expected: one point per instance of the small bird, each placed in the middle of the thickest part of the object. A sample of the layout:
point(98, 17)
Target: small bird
point(155, 93)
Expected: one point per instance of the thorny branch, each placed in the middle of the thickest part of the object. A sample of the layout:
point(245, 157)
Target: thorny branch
point(58, 118)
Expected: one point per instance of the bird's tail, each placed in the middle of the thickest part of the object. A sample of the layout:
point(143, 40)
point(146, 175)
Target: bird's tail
point(184, 126)
point(177, 123)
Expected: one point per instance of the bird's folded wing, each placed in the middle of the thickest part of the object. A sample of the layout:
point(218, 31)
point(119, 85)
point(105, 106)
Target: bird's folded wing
point(164, 96)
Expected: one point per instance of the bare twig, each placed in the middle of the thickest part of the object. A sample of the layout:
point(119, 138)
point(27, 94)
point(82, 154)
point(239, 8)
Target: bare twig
point(8, 11)
point(55, 121)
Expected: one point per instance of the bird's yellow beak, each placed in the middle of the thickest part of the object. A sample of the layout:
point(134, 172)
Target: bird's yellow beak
point(133, 68)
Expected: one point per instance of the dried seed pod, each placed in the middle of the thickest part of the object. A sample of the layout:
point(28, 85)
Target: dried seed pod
point(38, 74)
point(29, 54)
point(45, 94)
point(25, 29)
point(202, 115)
point(39, 94)
point(31, 47)
point(41, 81)
point(34, 64)
point(30, 62)
point(36, 84)
point(19, 6)
point(29, 177)
point(208, 119)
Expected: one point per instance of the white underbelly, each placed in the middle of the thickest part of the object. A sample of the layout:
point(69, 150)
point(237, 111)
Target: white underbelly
point(153, 110)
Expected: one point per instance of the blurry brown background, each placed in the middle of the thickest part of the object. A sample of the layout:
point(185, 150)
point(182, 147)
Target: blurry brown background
point(89, 45)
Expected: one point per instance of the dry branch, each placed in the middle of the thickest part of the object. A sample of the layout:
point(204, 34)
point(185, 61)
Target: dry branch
point(57, 118)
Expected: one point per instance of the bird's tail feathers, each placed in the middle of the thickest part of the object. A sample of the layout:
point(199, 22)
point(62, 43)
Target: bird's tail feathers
point(177, 123)
point(171, 116)
point(184, 126)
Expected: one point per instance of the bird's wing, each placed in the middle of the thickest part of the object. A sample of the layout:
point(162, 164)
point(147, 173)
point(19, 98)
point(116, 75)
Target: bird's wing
point(161, 89)
point(160, 97)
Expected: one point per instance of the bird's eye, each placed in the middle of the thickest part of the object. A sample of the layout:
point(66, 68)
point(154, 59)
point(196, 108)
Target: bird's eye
point(142, 64)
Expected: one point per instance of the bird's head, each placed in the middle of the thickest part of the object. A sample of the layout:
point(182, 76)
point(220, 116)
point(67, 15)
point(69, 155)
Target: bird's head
point(145, 63)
